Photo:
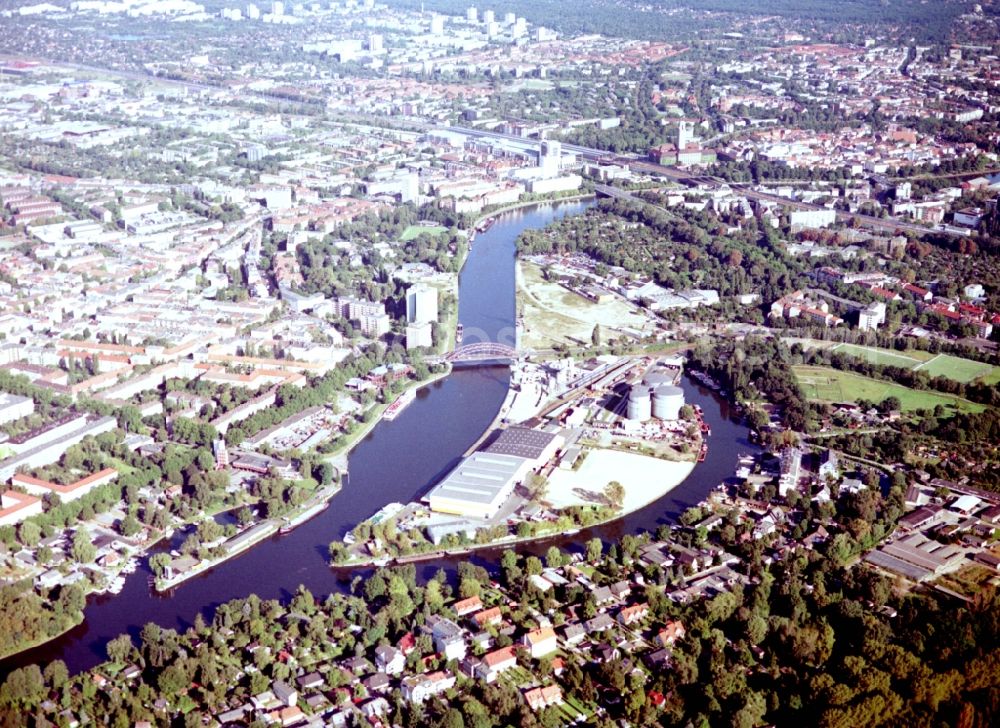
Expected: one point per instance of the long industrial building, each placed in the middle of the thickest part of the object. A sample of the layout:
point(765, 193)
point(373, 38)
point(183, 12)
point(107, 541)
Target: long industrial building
point(479, 485)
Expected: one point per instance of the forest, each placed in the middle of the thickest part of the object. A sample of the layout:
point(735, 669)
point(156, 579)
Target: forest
point(681, 249)
point(756, 370)
point(680, 19)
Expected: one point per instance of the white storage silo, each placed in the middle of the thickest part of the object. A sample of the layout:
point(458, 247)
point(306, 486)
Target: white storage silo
point(639, 405)
point(667, 402)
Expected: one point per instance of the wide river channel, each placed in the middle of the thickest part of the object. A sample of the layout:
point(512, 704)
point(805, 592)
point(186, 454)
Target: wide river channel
point(397, 461)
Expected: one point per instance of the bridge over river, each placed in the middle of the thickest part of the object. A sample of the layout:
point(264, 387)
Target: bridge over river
point(486, 353)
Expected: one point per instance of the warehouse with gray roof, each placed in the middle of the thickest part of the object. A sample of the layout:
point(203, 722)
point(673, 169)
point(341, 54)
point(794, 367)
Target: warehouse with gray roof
point(479, 485)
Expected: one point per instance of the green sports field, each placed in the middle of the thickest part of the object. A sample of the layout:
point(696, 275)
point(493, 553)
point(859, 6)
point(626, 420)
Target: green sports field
point(415, 230)
point(956, 368)
point(882, 357)
point(936, 365)
point(822, 384)
point(993, 377)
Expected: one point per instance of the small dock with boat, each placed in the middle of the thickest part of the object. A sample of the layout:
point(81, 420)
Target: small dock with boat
point(394, 409)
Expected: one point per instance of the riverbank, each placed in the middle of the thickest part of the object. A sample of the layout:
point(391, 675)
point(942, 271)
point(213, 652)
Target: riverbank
point(644, 480)
point(493, 212)
point(339, 457)
point(254, 534)
point(566, 493)
point(556, 531)
point(250, 537)
point(78, 619)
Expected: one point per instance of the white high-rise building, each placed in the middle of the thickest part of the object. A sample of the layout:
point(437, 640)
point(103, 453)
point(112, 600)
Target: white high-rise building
point(277, 9)
point(437, 25)
point(509, 18)
point(685, 135)
point(550, 157)
point(489, 16)
point(421, 304)
point(418, 335)
point(375, 43)
point(472, 15)
point(870, 317)
point(253, 12)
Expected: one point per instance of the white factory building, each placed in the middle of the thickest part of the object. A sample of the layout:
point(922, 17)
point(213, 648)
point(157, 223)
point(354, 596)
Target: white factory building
point(479, 486)
point(483, 482)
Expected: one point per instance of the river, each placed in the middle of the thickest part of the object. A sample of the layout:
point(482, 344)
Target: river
point(397, 461)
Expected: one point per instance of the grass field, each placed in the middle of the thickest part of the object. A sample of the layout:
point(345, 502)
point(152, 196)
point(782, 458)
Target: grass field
point(823, 384)
point(882, 357)
point(993, 377)
point(953, 367)
point(936, 365)
point(415, 230)
point(530, 84)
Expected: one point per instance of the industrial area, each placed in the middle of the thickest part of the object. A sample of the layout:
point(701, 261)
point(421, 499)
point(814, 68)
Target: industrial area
point(592, 440)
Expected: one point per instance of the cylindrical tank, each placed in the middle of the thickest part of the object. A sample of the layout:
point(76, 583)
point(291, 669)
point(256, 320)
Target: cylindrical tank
point(639, 406)
point(667, 402)
point(654, 378)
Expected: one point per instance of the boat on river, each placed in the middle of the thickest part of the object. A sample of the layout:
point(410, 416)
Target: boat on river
point(308, 513)
point(116, 585)
point(393, 410)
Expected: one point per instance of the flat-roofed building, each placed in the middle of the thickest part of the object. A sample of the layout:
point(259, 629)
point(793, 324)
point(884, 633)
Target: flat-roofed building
point(49, 432)
point(479, 485)
point(50, 451)
point(14, 407)
point(524, 442)
point(917, 557)
point(68, 492)
point(15, 507)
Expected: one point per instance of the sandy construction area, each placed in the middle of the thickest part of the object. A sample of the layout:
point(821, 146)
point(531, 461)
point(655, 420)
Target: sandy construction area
point(554, 315)
point(645, 479)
